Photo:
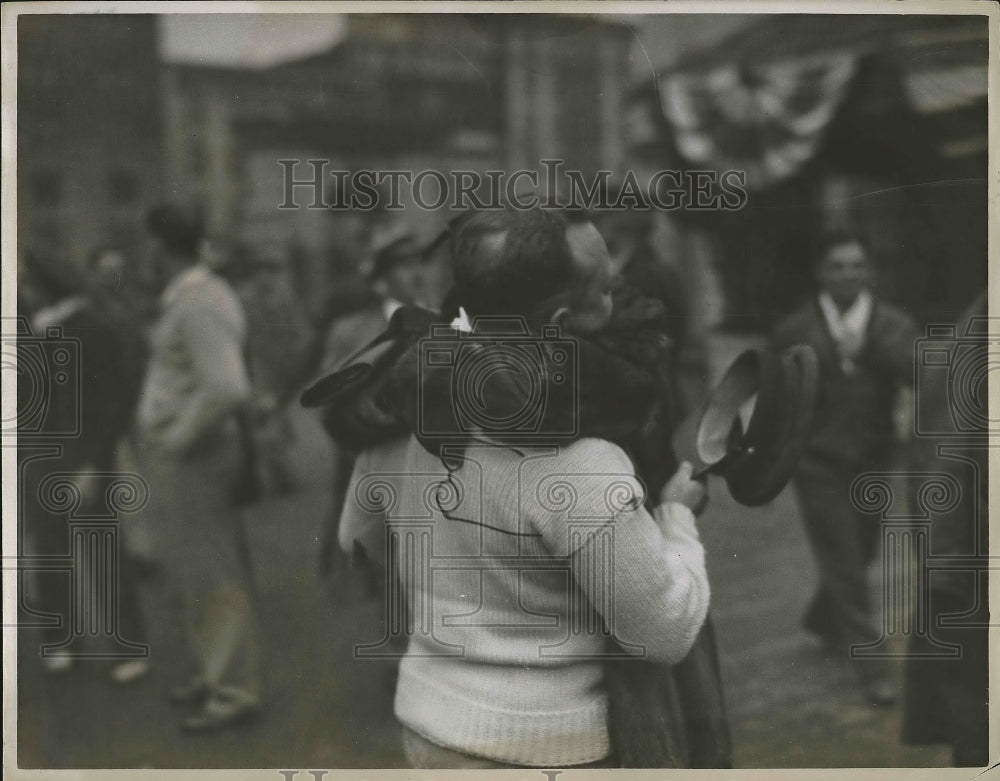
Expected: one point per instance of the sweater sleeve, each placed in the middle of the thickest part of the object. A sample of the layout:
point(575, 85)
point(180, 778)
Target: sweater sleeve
point(643, 572)
point(374, 491)
point(655, 594)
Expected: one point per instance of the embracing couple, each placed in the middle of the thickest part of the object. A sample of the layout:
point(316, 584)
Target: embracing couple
point(520, 486)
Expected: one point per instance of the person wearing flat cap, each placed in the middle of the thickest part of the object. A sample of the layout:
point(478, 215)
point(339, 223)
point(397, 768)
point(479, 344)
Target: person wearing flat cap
point(394, 276)
point(865, 348)
point(86, 420)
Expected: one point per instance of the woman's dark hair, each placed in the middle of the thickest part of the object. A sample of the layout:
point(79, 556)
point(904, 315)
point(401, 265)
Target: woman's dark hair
point(506, 262)
point(180, 229)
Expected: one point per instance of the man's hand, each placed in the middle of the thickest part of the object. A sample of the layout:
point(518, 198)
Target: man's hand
point(684, 490)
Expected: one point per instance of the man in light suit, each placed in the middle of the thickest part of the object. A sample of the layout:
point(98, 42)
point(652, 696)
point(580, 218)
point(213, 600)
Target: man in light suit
point(865, 350)
point(195, 387)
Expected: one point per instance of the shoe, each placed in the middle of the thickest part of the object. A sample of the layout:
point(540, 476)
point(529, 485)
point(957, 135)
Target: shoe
point(877, 681)
point(57, 663)
point(127, 672)
point(223, 708)
point(880, 693)
point(194, 692)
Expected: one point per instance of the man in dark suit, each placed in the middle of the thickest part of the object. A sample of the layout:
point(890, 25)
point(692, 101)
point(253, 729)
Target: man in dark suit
point(865, 349)
point(946, 700)
point(83, 425)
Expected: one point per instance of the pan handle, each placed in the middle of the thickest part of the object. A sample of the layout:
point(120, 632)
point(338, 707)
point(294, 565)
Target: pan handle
point(719, 466)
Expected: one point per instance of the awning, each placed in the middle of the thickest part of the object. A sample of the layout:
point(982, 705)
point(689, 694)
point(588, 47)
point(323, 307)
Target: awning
point(761, 100)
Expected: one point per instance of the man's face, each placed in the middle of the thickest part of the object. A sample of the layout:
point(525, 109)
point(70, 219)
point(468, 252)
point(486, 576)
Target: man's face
point(591, 306)
point(844, 273)
point(109, 268)
point(403, 281)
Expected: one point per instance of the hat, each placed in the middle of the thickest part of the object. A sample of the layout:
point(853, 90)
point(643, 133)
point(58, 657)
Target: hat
point(350, 395)
point(755, 423)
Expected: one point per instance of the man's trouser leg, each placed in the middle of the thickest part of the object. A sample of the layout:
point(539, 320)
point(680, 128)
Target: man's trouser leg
point(841, 609)
point(200, 535)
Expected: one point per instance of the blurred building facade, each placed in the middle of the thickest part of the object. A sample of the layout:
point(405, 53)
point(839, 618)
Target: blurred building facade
point(400, 92)
point(89, 130)
point(872, 109)
point(106, 127)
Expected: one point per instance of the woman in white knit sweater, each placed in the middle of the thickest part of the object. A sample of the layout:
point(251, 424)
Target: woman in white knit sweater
point(520, 564)
point(504, 657)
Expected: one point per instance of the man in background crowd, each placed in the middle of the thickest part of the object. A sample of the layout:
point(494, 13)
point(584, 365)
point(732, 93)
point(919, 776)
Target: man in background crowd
point(865, 351)
point(277, 335)
point(395, 279)
point(87, 421)
point(946, 698)
point(195, 388)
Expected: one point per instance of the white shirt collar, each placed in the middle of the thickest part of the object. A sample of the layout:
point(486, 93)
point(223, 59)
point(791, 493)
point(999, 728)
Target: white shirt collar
point(848, 328)
point(854, 318)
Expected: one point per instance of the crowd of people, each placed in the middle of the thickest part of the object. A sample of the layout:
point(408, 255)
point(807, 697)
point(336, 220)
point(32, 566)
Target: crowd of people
point(580, 514)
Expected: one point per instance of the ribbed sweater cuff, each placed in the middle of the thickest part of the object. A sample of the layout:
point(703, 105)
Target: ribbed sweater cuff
point(677, 523)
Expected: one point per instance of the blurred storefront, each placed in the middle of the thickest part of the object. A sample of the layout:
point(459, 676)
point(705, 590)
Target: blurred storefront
point(878, 123)
point(89, 131)
point(401, 92)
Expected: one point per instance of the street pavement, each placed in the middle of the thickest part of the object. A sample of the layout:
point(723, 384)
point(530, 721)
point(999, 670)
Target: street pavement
point(790, 704)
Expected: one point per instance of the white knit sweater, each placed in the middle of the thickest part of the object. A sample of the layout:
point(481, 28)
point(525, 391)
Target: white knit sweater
point(504, 660)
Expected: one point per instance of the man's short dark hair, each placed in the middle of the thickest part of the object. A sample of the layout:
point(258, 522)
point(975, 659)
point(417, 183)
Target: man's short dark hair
point(507, 262)
point(181, 230)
